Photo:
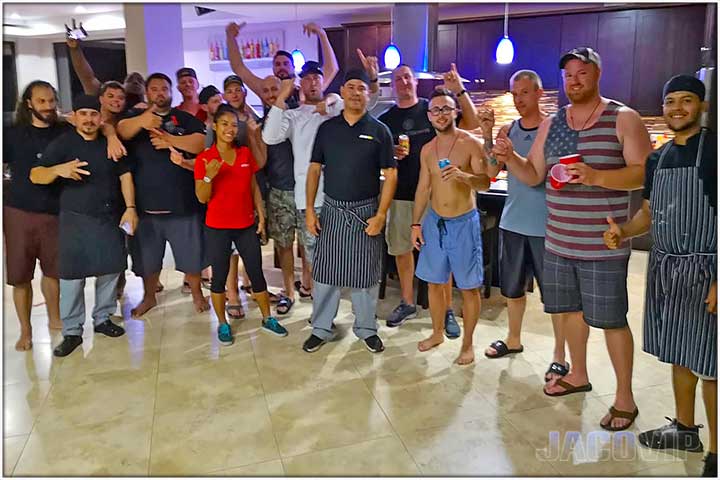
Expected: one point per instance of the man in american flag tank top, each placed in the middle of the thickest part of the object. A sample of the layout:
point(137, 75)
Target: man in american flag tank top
point(586, 281)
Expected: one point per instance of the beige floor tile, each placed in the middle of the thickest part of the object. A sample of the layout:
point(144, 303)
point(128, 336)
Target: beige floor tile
point(691, 467)
point(22, 404)
point(105, 355)
point(380, 457)
point(12, 448)
point(333, 415)
point(273, 468)
point(212, 438)
point(116, 448)
point(95, 398)
point(36, 365)
point(204, 383)
point(475, 448)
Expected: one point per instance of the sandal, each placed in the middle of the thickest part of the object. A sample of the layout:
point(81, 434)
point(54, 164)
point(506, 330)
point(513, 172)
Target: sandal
point(302, 291)
point(615, 413)
point(274, 297)
point(501, 349)
point(238, 309)
point(569, 389)
point(284, 305)
point(557, 369)
point(206, 283)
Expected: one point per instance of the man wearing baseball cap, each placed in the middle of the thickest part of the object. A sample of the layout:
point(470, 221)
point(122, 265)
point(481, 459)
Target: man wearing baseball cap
point(97, 199)
point(210, 99)
point(680, 318)
point(187, 85)
point(585, 281)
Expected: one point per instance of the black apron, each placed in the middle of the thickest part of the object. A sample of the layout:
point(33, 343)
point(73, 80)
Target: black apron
point(90, 246)
point(346, 256)
point(677, 327)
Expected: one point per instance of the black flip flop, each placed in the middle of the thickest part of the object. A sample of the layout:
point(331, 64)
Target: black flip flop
point(285, 304)
point(502, 349)
point(557, 369)
point(301, 290)
point(569, 389)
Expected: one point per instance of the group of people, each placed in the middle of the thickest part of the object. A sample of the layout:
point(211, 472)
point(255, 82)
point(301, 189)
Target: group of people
point(216, 181)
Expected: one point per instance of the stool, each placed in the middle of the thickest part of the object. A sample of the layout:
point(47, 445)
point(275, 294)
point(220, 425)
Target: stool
point(490, 238)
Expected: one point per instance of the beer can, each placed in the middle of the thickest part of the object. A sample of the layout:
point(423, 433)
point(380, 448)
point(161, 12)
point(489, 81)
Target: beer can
point(404, 141)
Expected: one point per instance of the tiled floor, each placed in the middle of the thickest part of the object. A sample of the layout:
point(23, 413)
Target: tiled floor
point(166, 399)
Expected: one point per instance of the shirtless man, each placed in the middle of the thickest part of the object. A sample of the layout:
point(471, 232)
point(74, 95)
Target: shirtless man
point(452, 168)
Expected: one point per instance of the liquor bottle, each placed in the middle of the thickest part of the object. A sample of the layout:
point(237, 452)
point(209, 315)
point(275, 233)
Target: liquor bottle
point(211, 51)
point(257, 48)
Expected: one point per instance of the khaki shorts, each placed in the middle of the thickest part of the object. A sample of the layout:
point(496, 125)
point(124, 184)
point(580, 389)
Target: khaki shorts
point(398, 232)
point(282, 217)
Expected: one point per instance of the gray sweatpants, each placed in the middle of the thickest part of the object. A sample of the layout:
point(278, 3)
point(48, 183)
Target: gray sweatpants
point(326, 300)
point(72, 302)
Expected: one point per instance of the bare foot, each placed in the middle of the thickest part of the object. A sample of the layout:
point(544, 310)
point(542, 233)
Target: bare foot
point(24, 343)
point(143, 307)
point(431, 342)
point(201, 304)
point(466, 357)
point(55, 324)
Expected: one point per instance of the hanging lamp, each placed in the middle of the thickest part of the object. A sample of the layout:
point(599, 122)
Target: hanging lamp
point(505, 51)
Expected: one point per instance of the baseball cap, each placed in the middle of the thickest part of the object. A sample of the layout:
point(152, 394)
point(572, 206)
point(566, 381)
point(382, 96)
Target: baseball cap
point(232, 79)
point(310, 67)
point(186, 72)
point(207, 93)
point(82, 101)
point(584, 54)
point(356, 74)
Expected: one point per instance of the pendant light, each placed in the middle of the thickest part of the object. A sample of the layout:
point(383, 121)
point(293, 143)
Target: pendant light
point(391, 55)
point(505, 51)
point(297, 56)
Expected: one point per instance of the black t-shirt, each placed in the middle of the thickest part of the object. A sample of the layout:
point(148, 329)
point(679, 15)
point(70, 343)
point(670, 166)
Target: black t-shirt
point(22, 147)
point(679, 156)
point(353, 156)
point(160, 185)
point(97, 194)
point(279, 166)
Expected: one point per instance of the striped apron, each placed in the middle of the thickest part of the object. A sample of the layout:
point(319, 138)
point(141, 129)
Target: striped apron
point(677, 327)
point(346, 256)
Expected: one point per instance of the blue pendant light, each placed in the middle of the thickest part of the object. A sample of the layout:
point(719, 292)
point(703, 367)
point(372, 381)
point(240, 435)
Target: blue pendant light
point(391, 57)
point(505, 51)
point(298, 60)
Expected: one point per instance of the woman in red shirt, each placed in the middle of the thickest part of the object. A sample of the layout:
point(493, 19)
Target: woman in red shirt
point(225, 180)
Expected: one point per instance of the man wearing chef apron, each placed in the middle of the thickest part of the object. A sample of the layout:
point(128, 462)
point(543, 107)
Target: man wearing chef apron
point(94, 193)
point(351, 151)
point(680, 320)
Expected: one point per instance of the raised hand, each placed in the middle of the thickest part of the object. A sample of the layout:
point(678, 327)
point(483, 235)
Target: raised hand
point(233, 29)
point(72, 43)
point(452, 80)
point(370, 64)
point(503, 148)
point(486, 117)
point(287, 87)
point(311, 28)
point(613, 236)
point(212, 168)
point(72, 169)
point(149, 119)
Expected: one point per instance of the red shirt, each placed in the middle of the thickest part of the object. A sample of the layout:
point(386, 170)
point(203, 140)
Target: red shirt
point(231, 203)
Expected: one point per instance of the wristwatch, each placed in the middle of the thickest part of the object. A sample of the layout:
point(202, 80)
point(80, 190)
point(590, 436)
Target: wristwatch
point(207, 179)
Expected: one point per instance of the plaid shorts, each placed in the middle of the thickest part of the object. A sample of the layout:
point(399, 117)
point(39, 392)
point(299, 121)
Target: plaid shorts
point(598, 289)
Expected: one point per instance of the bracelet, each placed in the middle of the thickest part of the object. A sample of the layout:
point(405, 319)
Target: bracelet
point(374, 80)
point(416, 225)
point(129, 206)
point(461, 92)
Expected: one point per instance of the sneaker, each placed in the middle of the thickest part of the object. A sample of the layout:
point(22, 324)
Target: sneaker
point(110, 329)
point(401, 313)
point(225, 335)
point(710, 469)
point(673, 436)
point(374, 344)
point(69, 343)
point(271, 325)
point(313, 344)
point(452, 329)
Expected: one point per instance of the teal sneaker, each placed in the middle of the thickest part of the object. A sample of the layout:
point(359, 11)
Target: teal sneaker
point(271, 325)
point(225, 335)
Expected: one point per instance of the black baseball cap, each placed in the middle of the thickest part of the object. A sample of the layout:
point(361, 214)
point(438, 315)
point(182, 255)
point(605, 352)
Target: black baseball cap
point(186, 72)
point(356, 74)
point(84, 101)
point(584, 54)
point(232, 79)
point(207, 93)
point(310, 67)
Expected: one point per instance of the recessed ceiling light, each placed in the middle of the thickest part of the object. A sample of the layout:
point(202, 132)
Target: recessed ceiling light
point(80, 9)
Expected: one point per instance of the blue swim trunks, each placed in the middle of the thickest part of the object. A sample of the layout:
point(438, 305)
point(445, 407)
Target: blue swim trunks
point(452, 245)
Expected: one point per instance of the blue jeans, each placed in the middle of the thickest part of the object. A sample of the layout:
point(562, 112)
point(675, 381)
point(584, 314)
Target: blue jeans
point(72, 302)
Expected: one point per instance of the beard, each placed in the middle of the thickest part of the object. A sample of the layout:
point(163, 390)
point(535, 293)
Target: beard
point(162, 103)
point(581, 96)
point(447, 127)
point(684, 126)
point(49, 117)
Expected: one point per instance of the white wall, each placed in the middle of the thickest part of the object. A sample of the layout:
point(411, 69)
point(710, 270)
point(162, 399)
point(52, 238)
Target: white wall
point(195, 41)
point(35, 60)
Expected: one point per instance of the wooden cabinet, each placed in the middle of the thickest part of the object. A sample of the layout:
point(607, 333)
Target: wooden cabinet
point(537, 47)
point(477, 42)
point(616, 46)
point(446, 52)
point(578, 30)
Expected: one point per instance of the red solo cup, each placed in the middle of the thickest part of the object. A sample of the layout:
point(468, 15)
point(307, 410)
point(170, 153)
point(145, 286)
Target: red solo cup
point(568, 159)
point(558, 174)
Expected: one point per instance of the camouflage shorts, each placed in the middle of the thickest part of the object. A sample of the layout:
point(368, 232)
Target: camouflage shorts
point(282, 217)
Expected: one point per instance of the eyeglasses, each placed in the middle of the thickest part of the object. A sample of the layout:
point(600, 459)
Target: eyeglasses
point(444, 110)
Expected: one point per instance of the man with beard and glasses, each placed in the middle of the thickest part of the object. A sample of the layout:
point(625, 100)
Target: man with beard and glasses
point(409, 117)
point(30, 212)
point(452, 170)
point(283, 66)
point(300, 125)
point(680, 321)
point(585, 281)
point(187, 85)
point(97, 199)
point(352, 150)
point(160, 139)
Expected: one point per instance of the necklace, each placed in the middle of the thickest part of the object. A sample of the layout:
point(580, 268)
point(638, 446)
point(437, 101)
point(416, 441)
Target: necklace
point(588, 118)
point(437, 148)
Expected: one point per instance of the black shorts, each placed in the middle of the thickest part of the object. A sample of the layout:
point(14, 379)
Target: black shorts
point(521, 259)
point(183, 232)
point(598, 289)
